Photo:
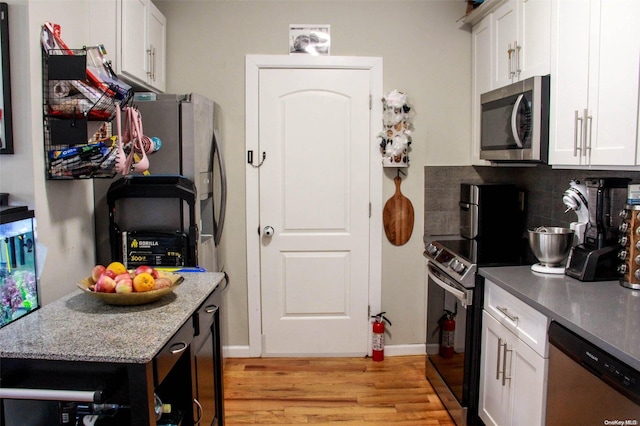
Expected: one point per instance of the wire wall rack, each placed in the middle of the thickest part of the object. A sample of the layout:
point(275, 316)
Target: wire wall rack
point(80, 98)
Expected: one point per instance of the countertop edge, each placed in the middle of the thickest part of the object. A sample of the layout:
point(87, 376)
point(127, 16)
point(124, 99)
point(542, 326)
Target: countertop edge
point(206, 283)
point(566, 322)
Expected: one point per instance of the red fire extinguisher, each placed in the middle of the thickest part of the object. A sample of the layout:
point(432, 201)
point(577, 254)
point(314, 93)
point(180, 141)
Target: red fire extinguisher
point(447, 333)
point(378, 336)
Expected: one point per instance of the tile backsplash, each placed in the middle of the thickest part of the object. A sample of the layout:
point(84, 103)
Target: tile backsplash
point(543, 186)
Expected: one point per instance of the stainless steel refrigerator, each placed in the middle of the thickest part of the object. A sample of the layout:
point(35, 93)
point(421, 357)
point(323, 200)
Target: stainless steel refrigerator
point(186, 127)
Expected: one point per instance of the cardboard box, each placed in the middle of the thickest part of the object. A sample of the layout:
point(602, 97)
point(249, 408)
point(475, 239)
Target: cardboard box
point(633, 194)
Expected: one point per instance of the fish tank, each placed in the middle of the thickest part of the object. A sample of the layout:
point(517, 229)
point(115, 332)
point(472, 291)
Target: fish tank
point(18, 276)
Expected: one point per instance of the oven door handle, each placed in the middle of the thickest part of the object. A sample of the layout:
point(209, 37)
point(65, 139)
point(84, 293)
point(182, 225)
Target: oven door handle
point(459, 294)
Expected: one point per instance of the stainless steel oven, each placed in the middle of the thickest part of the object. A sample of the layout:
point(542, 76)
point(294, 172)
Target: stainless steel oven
point(453, 297)
point(455, 292)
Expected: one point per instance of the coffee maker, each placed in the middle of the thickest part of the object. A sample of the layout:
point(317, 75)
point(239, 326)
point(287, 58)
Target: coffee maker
point(595, 259)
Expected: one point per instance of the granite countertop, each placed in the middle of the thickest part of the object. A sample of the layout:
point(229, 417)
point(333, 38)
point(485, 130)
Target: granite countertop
point(79, 327)
point(603, 313)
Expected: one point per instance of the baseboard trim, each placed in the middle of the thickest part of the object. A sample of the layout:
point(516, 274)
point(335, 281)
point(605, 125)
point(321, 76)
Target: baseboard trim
point(389, 350)
point(236, 352)
point(400, 350)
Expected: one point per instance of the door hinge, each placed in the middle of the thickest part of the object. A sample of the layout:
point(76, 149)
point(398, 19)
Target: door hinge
point(369, 210)
point(369, 311)
point(370, 102)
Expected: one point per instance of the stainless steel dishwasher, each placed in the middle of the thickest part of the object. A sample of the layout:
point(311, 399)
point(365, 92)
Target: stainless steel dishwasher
point(587, 386)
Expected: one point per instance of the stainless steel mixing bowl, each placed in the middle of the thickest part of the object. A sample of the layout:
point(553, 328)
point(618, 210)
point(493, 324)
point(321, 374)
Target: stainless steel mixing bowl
point(550, 244)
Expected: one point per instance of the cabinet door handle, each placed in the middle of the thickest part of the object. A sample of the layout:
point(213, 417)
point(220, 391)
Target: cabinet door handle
point(498, 359)
point(504, 310)
point(577, 147)
point(517, 58)
point(180, 347)
point(211, 309)
point(504, 363)
point(153, 68)
point(588, 135)
point(510, 57)
point(149, 58)
point(200, 411)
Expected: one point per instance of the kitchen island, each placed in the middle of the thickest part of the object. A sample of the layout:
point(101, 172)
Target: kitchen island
point(120, 354)
point(604, 313)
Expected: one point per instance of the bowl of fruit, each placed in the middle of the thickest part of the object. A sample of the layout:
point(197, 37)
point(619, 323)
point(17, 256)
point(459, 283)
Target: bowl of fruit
point(115, 285)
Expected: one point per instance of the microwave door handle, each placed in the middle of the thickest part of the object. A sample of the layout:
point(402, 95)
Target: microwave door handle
point(514, 116)
point(457, 293)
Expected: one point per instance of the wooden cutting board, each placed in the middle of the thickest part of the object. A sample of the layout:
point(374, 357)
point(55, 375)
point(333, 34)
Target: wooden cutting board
point(397, 217)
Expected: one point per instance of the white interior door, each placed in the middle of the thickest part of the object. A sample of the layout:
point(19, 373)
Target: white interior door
point(314, 127)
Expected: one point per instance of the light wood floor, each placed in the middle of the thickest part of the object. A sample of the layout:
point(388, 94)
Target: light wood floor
point(323, 391)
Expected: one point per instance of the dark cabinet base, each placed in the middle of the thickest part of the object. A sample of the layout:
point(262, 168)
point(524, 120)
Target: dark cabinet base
point(207, 363)
point(186, 373)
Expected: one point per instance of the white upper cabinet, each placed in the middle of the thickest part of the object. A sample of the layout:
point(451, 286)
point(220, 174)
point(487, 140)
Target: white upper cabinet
point(594, 83)
point(511, 41)
point(506, 48)
point(534, 32)
point(134, 35)
point(481, 37)
point(134, 29)
point(156, 48)
point(520, 41)
point(143, 43)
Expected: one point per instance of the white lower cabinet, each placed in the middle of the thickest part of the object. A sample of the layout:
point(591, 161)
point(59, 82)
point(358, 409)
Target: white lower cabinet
point(512, 374)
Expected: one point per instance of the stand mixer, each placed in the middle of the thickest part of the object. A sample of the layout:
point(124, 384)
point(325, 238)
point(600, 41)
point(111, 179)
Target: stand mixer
point(575, 198)
point(596, 257)
point(551, 245)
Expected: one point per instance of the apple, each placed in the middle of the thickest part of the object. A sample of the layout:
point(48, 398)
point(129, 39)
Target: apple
point(124, 286)
point(106, 284)
point(110, 273)
point(143, 282)
point(148, 269)
point(96, 272)
point(162, 283)
point(123, 277)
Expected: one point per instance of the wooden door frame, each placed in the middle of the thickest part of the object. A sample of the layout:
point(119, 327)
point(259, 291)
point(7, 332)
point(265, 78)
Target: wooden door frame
point(253, 65)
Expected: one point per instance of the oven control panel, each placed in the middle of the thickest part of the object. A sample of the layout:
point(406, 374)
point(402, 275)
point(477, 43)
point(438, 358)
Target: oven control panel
point(455, 265)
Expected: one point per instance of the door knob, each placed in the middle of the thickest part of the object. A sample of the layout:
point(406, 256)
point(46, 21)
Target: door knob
point(268, 231)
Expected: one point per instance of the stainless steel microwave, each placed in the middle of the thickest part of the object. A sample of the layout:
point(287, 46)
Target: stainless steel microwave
point(514, 124)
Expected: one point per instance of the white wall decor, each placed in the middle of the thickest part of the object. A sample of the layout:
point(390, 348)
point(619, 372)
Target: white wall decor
point(309, 39)
point(395, 139)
